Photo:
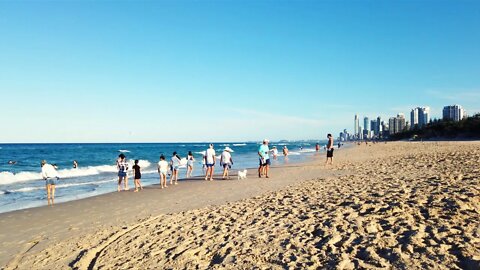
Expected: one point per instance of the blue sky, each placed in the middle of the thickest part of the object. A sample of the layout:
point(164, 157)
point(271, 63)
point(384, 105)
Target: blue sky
point(166, 71)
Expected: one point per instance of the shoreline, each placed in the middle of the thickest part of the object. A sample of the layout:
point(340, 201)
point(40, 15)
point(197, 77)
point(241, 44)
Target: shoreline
point(114, 208)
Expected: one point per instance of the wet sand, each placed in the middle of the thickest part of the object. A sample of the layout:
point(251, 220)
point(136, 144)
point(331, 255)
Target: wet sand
point(398, 205)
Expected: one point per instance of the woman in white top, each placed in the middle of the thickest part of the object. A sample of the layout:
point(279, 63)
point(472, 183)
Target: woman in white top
point(49, 174)
point(175, 163)
point(190, 161)
point(226, 161)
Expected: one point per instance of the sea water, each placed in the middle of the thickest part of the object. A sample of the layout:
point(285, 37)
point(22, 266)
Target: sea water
point(21, 184)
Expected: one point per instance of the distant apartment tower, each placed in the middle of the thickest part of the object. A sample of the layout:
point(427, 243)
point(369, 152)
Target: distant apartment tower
point(419, 116)
point(379, 129)
point(453, 112)
point(356, 127)
point(366, 128)
point(396, 124)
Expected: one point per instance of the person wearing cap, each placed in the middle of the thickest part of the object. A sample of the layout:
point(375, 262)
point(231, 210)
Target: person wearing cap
point(274, 152)
point(49, 174)
point(226, 161)
point(209, 162)
point(264, 159)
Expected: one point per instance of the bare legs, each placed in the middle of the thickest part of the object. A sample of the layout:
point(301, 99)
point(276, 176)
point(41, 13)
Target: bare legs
point(209, 171)
point(163, 180)
point(225, 172)
point(174, 176)
point(189, 171)
point(137, 184)
point(50, 194)
point(126, 182)
point(120, 179)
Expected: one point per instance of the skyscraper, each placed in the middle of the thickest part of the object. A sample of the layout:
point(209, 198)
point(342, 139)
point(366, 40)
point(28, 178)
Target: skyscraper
point(419, 116)
point(453, 112)
point(356, 127)
point(396, 124)
point(366, 124)
point(414, 117)
point(379, 129)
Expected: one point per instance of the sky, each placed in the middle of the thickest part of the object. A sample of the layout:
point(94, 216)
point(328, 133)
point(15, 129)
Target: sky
point(189, 71)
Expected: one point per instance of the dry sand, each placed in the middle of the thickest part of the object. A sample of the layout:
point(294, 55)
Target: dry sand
point(394, 206)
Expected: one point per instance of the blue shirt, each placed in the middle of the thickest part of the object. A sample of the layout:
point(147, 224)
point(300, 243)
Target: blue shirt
point(264, 150)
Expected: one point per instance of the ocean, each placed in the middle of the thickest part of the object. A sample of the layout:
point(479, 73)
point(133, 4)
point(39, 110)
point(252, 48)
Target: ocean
point(21, 184)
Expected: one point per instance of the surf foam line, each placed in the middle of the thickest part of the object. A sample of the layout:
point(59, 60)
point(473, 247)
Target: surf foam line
point(10, 178)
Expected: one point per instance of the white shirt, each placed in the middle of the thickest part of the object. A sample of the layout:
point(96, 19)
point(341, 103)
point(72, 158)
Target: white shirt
point(210, 154)
point(163, 166)
point(275, 151)
point(48, 171)
point(226, 156)
point(175, 161)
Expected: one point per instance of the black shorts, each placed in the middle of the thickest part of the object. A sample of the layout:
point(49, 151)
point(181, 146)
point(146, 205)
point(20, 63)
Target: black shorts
point(330, 153)
point(267, 162)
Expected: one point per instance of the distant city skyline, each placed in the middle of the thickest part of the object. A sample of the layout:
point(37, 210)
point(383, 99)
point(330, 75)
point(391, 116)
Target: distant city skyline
point(190, 71)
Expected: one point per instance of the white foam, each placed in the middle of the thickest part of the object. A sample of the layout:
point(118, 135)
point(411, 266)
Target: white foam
point(225, 144)
point(9, 178)
point(239, 144)
point(59, 185)
point(307, 150)
point(123, 151)
point(293, 153)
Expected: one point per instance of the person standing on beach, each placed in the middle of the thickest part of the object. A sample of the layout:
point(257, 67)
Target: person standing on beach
point(264, 159)
point(162, 171)
point(49, 174)
point(274, 152)
point(190, 161)
point(329, 149)
point(210, 162)
point(122, 167)
point(175, 164)
point(137, 176)
point(226, 161)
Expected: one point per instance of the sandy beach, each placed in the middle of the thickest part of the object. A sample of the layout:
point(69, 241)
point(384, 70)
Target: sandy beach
point(402, 205)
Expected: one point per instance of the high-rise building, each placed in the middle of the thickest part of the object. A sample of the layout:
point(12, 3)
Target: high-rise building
point(373, 126)
point(414, 117)
point(423, 116)
point(356, 126)
point(379, 126)
point(453, 112)
point(396, 124)
point(366, 123)
point(419, 116)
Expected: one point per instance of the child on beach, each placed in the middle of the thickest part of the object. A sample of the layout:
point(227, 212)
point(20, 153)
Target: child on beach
point(162, 171)
point(190, 161)
point(137, 176)
point(175, 164)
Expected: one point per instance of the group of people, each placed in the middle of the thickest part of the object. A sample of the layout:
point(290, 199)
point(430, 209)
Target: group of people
point(164, 168)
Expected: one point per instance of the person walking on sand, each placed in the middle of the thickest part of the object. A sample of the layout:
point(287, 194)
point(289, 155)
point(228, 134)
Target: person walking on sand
point(162, 171)
point(190, 161)
point(175, 164)
point(50, 175)
point(264, 159)
point(210, 162)
point(226, 161)
point(137, 175)
point(122, 167)
point(329, 149)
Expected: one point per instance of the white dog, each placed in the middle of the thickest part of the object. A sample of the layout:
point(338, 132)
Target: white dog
point(242, 174)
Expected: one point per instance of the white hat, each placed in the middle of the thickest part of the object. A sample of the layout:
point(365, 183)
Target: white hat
point(266, 140)
point(228, 149)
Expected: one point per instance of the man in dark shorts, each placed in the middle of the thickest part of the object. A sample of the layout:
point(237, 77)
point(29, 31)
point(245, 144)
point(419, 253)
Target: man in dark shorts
point(329, 149)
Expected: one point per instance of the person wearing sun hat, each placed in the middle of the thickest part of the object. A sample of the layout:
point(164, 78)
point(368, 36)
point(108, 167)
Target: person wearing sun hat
point(49, 174)
point(264, 159)
point(226, 161)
